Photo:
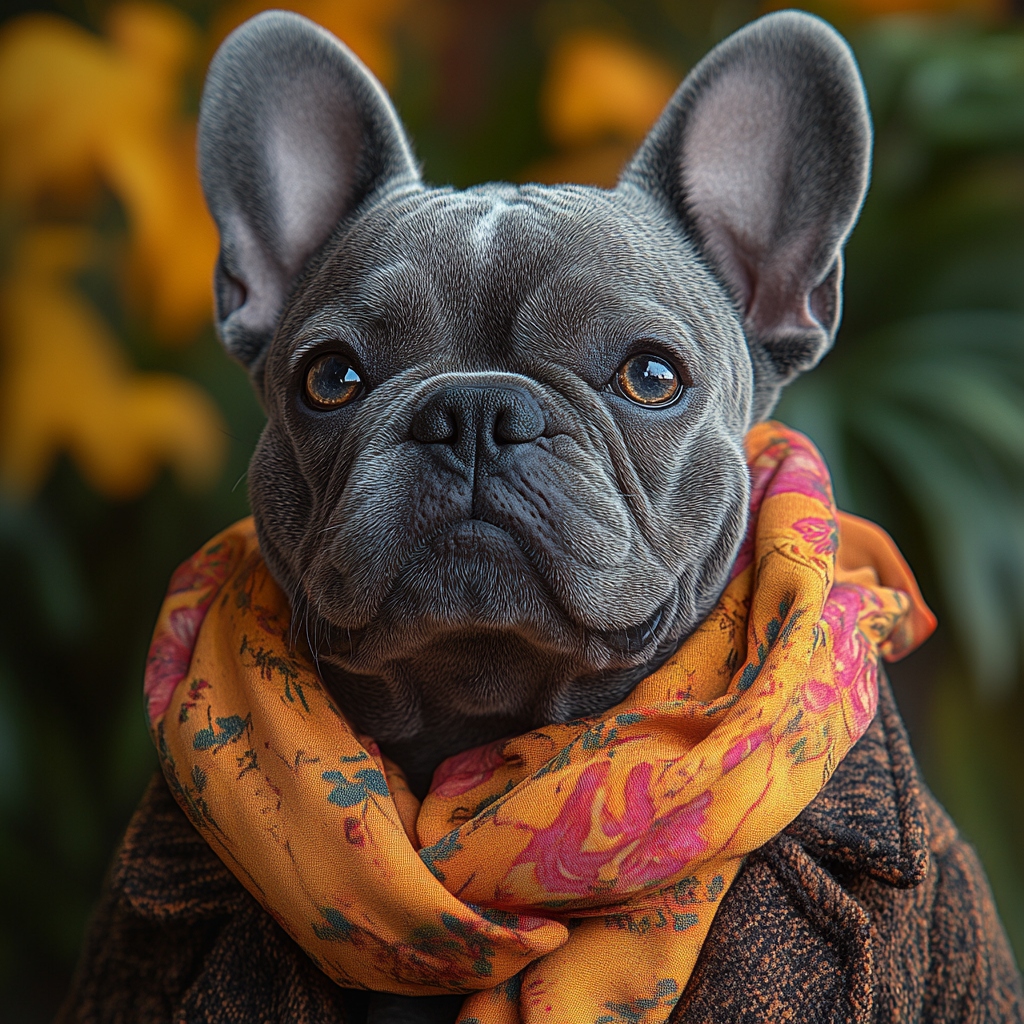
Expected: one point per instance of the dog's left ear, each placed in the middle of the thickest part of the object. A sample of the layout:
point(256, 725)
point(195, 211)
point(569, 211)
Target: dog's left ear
point(763, 153)
point(294, 134)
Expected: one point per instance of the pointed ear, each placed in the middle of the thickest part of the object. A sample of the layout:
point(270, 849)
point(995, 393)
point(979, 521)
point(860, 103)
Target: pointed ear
point(294, 133)
point(763, 153)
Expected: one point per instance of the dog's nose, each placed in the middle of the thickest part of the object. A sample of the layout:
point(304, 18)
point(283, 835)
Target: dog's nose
point(477, 421)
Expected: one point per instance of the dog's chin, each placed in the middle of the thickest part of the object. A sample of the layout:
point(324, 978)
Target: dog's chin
point(470, 644)
point(469, 577)
point(475, 578)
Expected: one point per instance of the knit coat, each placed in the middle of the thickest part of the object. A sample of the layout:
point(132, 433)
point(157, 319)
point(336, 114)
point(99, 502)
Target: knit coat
point(869, 907)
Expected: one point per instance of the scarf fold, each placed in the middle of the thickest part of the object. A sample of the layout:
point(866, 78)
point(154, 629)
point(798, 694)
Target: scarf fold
point(570, 874)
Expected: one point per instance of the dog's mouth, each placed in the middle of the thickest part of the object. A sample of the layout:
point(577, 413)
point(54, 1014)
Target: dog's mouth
point(469, 538)
point(472, 532)
point(633, 639)
point(466, 535)
point(474, 574)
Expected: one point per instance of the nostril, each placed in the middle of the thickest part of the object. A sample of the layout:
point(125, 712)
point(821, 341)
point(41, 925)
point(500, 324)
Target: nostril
point(434, 424)
point(467, 415)
point(518, 420)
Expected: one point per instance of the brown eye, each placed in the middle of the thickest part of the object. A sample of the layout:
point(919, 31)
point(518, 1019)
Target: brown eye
point(648, 380)
point(331, 381)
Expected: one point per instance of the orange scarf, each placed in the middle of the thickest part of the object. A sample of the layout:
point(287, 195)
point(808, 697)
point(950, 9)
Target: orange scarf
point(570, 874)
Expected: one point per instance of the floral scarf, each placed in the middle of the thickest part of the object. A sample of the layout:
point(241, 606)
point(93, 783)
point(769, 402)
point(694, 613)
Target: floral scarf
point(570, 874)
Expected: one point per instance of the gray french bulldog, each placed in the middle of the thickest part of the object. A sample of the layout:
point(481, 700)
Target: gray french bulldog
point(502, 476)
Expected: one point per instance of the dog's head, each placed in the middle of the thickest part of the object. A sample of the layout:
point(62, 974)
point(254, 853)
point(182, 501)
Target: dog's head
point(502, 475)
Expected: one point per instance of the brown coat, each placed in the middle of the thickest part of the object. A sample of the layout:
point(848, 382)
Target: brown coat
point(868, 908)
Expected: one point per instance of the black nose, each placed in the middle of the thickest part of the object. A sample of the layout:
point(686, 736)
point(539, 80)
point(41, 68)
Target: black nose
point(476, 422)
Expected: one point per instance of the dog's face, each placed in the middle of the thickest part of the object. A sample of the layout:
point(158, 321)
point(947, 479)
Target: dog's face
point(502, 476)
point(488, 522)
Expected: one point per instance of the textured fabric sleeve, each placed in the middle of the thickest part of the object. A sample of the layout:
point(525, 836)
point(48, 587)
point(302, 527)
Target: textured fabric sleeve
point(133, 969)
point(164, 902)
point(972, 974)
point(176, 940)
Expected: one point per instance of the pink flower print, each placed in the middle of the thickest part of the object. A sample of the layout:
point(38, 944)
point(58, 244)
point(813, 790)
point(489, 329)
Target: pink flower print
point(188, 576)
point(856, 669)
point(169, 657)
point(665, 845)
point(651, 848)
point(822, 533)
point(819, 696)
point(744, 747)
point(802, 471)
point(788, 465)
point(466, 771)
point(557, 853)
point(203, 569)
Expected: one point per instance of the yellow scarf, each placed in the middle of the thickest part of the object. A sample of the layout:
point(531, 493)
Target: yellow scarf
point(570, 874)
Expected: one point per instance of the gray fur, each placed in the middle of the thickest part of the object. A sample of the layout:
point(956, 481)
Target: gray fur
point(294, 133)
point(764, 154)
point(489, 539)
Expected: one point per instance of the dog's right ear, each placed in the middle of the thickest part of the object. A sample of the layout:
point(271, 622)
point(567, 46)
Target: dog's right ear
point(763, 155)
point(294, 133)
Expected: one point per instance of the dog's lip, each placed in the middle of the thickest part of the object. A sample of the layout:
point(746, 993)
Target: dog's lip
point(461, 538)
point(474, 528)
point(632, 639)
point(626, 640)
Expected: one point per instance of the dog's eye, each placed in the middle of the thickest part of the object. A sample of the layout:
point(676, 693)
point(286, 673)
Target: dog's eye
point(332, 381)
point(648, 380)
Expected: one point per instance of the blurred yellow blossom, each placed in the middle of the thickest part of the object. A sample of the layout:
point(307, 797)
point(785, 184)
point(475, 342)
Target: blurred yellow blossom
point(77, 110)
point(600, 96)
point(599, 85)
point(66, 386)
point(365, 26)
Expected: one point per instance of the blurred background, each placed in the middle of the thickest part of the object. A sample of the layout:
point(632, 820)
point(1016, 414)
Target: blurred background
point(125, 432)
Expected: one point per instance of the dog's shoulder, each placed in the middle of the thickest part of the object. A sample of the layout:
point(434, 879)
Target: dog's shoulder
point(869, 907)
point(175, 937)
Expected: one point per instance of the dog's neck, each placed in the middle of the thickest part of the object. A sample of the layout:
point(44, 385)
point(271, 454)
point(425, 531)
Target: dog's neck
point(427, 708)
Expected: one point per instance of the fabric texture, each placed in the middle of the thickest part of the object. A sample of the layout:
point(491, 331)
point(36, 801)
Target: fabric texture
point(569, 874)
point(868, 909)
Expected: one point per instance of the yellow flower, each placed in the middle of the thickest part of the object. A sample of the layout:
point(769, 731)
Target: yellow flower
point(77, 110)
point(66, 387)
point(598, 86)
point(600, 97)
